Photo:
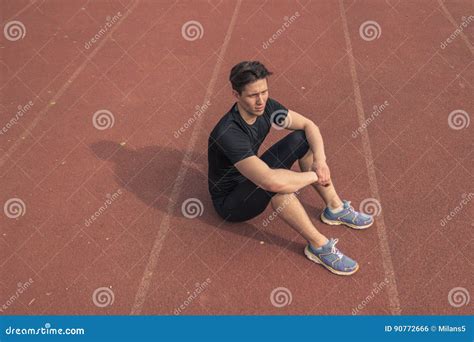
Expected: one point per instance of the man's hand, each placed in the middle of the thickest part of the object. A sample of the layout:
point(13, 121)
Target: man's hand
point(322, 170)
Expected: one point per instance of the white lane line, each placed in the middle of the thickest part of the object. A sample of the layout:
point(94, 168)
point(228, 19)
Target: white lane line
point(394, 300)
point(145, 283)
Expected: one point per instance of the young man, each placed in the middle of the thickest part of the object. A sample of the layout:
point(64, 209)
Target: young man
point(241, 183)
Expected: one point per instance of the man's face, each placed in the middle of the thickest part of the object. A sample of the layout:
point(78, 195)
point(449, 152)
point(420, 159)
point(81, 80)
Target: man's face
point(254, 97)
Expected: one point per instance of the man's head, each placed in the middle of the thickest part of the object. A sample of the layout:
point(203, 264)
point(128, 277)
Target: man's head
point(249, 84)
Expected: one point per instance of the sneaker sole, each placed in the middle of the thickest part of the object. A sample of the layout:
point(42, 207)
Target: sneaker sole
point(315, 259)
point(336, 223)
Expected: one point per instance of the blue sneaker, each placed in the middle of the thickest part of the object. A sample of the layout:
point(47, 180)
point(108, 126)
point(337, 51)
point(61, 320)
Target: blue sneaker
point(347, 216)
point(331, 258)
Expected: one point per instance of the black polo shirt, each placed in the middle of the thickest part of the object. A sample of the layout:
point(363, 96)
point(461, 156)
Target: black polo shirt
point(232, 140)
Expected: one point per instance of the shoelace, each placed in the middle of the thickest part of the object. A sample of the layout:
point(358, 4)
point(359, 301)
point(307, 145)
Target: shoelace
point(336, 251)
point(351, 208)
point(357, 214)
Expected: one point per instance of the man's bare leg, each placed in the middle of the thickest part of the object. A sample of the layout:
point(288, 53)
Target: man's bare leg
point(327, 193)
point(292, 212)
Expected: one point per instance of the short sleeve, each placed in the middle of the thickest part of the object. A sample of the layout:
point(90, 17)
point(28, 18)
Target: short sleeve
point(235, 145)
point(276, 113)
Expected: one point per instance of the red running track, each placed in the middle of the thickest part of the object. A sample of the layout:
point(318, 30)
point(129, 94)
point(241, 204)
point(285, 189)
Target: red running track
point(383, 99)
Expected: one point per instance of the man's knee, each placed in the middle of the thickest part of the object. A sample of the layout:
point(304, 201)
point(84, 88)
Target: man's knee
point(284, 198)
point(298, 137)
point(299, 143)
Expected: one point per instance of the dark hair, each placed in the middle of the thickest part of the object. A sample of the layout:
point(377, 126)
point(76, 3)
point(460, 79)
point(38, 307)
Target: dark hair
point(247, 72)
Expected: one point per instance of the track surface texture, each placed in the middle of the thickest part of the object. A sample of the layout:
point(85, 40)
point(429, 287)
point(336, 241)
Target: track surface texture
point(116, 102)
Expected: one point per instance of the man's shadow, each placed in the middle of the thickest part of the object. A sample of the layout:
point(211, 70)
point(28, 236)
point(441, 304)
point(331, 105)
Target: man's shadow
point(152, 172)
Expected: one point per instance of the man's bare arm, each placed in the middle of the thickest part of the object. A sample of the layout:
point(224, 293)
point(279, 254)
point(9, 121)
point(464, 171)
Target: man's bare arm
point(296, 121)
point(274, 180)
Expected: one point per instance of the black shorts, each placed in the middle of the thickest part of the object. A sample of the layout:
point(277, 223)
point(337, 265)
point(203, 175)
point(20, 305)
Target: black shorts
point(247, 200)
